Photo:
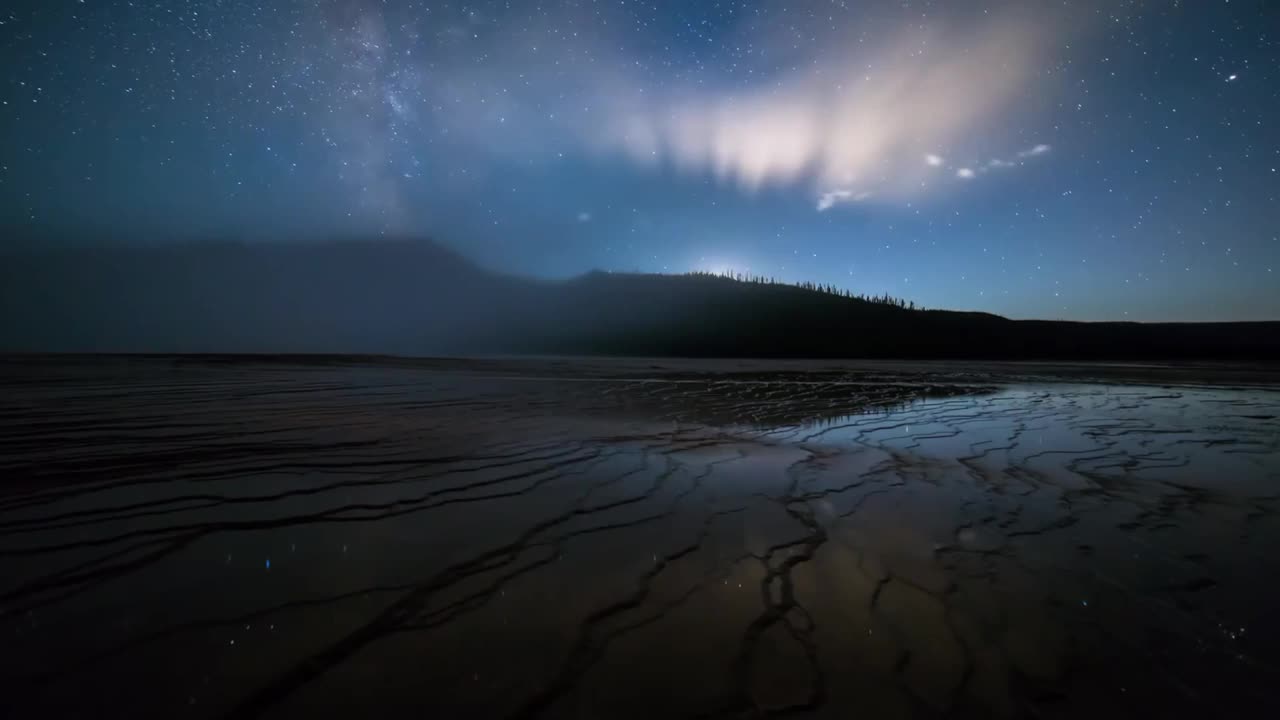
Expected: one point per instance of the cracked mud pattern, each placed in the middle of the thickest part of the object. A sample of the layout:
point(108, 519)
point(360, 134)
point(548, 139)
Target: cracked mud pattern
point(185, 539)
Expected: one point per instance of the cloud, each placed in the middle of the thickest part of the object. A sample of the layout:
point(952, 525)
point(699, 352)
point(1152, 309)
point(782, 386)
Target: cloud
point(823, 118)
point(829, 199)
point(844, 118)
point(965, 173)
point(584, 216)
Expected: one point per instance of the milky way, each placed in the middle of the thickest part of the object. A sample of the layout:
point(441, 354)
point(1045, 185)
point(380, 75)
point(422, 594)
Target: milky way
point(1082, 160)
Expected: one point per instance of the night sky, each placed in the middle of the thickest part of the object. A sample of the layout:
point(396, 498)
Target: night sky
point(1075, 160)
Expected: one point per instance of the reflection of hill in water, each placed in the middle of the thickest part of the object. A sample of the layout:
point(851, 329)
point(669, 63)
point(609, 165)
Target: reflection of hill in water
point(826, 423)
point(763, 401)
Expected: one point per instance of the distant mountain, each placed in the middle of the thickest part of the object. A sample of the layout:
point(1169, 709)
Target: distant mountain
point(417, 297)
point(405, 297)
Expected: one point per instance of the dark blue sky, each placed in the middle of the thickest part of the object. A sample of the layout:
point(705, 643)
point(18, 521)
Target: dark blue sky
point(1079, 160)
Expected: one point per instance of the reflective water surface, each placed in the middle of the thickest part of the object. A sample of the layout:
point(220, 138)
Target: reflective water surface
point(208, 539)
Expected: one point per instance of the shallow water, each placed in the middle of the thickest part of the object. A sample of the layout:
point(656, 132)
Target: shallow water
point(462, 540)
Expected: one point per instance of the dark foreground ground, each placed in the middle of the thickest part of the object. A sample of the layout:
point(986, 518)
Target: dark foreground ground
point(374, 537)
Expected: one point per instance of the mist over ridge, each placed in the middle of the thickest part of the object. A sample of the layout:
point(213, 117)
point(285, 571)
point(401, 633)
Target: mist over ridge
point(413, 296)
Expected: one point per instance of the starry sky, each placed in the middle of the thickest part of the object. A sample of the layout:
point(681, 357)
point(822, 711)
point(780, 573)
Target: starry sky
point(1072, 159)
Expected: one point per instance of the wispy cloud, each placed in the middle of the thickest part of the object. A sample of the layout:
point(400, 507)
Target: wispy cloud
point(968, 173)
point(830, 199)
point(849, 120)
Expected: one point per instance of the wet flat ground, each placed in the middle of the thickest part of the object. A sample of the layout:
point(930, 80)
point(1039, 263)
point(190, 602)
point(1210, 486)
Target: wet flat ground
point(372, 537)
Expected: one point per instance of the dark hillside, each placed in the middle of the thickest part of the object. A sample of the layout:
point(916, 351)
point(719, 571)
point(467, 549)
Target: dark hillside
point(416, 297)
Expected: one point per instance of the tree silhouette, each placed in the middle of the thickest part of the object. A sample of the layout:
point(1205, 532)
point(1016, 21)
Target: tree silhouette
point(808, 286)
